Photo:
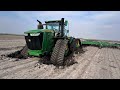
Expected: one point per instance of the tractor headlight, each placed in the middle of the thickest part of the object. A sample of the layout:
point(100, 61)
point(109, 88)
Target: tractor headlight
point(29, 40)
point(34, 34)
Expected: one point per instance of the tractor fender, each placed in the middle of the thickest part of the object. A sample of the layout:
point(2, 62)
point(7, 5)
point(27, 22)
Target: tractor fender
point(71, 39)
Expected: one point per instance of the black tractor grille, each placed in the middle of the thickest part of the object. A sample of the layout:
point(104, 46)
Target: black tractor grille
point(34, 42)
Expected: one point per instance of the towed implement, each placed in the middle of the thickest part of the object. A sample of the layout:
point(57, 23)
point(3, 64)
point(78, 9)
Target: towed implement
point(49, 39)
point(100, 44)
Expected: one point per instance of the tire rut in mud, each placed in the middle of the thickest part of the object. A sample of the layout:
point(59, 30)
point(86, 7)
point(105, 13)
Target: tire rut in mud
point(14, 69)
point(62, 73)
point(10, 64)
point(82, 66)
point(11, 48)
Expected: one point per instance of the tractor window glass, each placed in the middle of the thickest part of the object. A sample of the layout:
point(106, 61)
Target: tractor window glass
point(53, 26)
point(49, 27)
point(66, 30)
point(44, 26)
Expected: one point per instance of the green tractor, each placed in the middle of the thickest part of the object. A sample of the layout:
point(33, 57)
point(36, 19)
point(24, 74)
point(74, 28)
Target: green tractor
point(51, 38)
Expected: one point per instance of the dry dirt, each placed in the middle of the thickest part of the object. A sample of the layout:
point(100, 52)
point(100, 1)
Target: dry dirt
point(95, 63)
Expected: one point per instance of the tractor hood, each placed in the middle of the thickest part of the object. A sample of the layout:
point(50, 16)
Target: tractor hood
point(38, 31)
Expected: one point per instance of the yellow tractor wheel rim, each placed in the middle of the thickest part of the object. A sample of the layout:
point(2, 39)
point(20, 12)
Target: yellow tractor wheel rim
point(78, 44)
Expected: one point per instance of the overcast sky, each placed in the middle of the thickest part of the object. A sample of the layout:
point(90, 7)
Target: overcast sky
point(82, 24)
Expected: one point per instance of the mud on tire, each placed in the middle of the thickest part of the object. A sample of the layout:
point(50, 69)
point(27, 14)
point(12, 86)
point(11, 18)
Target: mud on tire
point(20, 54)
point(24, 52)
point(73, 48)
point(57, 57)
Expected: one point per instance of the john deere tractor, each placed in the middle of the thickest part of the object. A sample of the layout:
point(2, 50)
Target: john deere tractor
point(51, 38)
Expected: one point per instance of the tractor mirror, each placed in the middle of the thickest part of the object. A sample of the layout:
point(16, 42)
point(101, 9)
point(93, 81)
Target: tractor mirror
point(66, 23)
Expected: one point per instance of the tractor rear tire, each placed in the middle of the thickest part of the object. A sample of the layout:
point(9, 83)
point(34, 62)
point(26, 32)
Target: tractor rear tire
point(73, 45)
point(80, 43)
point(57, 57)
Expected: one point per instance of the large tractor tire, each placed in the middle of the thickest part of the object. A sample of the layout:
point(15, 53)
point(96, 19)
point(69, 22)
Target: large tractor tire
point(57, 57)
point(75, 45)
point(20, 54)
point(78, 43)
point(24, 52)
point(55, 52)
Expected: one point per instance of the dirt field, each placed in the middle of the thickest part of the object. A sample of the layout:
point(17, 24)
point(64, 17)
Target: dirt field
point(93, 64)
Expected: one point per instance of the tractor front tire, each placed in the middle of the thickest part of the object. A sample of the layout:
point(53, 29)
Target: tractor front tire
point(24, 52)
point(57, 57)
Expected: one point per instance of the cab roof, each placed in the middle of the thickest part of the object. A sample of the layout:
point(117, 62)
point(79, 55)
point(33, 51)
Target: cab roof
point(52, 21)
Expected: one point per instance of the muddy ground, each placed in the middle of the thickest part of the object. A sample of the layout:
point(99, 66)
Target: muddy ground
point(95, 63)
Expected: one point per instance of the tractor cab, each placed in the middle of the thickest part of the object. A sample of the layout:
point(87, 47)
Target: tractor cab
point(57, 27)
